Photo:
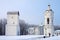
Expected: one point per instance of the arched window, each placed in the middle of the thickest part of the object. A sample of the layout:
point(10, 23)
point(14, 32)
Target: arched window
point(47, 20)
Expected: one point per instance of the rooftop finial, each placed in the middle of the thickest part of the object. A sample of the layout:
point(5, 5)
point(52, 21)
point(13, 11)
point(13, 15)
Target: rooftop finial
point(48, 7)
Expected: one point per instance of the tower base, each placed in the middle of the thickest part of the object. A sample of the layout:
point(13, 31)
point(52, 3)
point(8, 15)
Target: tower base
point(12, 30)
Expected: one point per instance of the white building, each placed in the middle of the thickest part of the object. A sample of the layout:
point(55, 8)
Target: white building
point(12, 27)
point(34, 30)
point(31, 31)
point(57, 33)
point(48, 22)
point(37, 30)
point(41, 30)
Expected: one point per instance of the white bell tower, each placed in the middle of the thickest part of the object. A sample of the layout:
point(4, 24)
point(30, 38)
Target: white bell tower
point(12, 27)
point(48, 22)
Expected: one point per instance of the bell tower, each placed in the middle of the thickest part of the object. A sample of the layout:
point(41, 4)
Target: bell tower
point(48, 22)
point(12, 27)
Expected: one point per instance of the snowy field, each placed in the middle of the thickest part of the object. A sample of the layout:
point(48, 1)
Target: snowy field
point(28, 37)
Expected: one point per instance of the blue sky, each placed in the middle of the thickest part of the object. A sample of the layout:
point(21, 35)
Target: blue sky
point(32, 11)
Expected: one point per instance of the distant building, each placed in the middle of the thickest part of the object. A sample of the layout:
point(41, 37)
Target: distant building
point(31, 31)
point(34, 30)
point(57, 33)
point(41, 30)
point(12, 27)
point(37, 30)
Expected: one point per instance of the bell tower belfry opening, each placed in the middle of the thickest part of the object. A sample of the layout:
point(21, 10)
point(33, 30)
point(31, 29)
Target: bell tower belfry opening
point(48, 22)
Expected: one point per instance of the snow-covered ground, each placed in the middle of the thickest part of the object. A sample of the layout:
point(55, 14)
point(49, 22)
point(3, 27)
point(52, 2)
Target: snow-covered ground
point(29, 37)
